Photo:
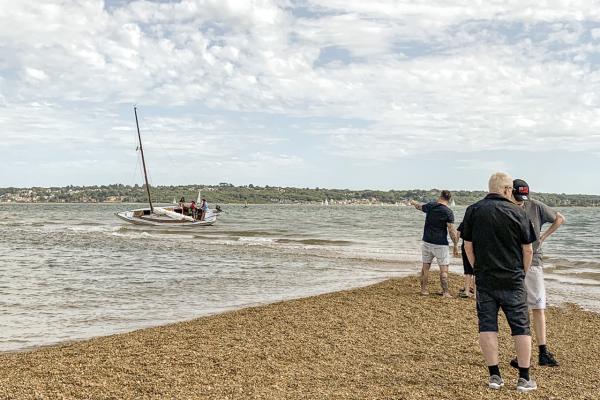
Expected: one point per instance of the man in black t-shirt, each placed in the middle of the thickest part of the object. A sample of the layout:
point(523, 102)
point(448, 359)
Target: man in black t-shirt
point(439, 220)
point(498, 238)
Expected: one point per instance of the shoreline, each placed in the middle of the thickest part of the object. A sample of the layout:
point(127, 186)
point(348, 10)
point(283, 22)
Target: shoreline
point(377, 341)
point(225, 310)
point(314, 203)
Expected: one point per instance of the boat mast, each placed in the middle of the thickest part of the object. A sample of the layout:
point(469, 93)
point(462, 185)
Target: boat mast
point(143, 161)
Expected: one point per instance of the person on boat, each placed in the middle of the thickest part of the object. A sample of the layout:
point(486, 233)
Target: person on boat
point(193, 209)
point(203, 209)
point(182, 205)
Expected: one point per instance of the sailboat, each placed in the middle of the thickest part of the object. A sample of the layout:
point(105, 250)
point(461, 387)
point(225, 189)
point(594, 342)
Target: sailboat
point(168, 216)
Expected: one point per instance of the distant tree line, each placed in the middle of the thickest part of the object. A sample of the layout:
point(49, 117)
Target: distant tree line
point(228, 193)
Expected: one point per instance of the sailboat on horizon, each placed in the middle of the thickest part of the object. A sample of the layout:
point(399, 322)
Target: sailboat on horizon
point(167, 216)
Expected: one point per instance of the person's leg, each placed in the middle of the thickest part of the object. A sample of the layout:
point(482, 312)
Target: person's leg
point(488, 341)
point(425, 278)
point(444, 281)
point(539, 326)
point(469, 289)
point(427, 258)
point(514, 304)
point(536, 299)
point(489, 347)
point(487, 315)
point(466, 283)
point(523, 347)
point(442, 254)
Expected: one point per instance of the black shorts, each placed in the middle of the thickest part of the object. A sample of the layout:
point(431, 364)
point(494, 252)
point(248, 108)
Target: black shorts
point(467, 268)
point(512, 301)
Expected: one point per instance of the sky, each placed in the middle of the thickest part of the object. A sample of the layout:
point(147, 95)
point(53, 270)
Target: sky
point(333, 94)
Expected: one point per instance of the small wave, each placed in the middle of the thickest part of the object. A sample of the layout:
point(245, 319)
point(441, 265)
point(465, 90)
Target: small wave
point(215, 238)
point(256, 240)
point(251, 233)
point(585, 273)
point(184, 235)
point(559, 264)
point(131, 235)
point(81, 229)
point(317, 242)
point(10, 224)
point(573, 280)
point(173, 232)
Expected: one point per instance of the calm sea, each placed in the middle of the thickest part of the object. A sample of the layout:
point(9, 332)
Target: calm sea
point(74, 271)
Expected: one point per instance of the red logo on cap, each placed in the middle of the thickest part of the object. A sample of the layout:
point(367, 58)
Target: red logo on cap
point(523, 190)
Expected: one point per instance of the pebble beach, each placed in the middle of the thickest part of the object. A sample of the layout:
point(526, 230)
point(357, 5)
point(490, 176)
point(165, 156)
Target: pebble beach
point(383, 341)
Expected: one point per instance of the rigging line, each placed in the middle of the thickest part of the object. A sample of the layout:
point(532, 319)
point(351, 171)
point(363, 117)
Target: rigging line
point(172, 164)
point(143, 173)
point(139, 165)
point(133, 175)
point(150, 183)
point(137, 146)
point(148, 174)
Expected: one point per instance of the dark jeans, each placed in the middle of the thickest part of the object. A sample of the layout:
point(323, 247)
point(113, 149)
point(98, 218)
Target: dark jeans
point(512, 301)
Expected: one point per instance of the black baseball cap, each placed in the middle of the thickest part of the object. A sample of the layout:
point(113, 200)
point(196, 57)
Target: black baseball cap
point(520, 190)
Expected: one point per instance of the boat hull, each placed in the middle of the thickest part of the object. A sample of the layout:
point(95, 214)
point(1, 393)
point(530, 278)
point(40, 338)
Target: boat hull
point(143, 216)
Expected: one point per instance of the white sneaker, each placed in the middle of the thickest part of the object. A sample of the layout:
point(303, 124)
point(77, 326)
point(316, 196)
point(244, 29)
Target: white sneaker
point(524, 386)
point(495, 382)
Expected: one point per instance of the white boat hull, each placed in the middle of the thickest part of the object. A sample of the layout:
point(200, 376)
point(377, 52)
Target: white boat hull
point(143, 216)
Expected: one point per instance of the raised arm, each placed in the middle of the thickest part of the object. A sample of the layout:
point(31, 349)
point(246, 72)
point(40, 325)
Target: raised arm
point(416, 205)
point(527, 250)
point(558, 221)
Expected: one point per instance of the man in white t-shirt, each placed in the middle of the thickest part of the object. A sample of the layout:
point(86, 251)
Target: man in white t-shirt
point(539, 214)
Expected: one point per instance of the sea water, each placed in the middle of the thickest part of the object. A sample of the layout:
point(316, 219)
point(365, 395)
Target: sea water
point(74, 271)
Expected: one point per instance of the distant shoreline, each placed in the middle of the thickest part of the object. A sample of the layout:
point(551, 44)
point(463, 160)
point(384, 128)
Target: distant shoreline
point(225, 193)
point(257, 204)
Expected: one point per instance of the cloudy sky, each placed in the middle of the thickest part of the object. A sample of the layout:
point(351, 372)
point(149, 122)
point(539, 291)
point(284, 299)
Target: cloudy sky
point(333, 93)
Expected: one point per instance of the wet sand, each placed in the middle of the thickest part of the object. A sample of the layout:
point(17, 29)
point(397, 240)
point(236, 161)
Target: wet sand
point(380, 342)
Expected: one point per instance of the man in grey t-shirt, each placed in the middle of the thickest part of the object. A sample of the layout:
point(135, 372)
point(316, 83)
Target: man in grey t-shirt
point(539, 214)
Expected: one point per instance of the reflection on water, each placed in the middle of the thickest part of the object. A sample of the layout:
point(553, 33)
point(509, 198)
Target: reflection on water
point(75, 271)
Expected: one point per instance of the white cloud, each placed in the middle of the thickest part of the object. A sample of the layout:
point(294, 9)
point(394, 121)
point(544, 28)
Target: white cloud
point(390, 79)
point(35, 74)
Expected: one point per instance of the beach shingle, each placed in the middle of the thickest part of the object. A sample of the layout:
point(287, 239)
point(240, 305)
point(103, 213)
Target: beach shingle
point(379, 342)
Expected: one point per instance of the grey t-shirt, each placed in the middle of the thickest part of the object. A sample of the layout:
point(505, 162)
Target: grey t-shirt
point(539, 214)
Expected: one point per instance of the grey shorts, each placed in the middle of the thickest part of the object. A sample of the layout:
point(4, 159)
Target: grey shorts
point(536, 291)
point(438, 251)
point(512, 301)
